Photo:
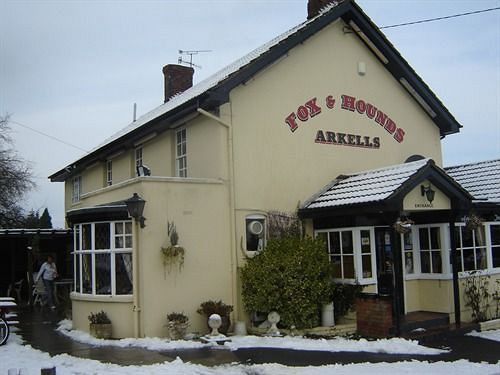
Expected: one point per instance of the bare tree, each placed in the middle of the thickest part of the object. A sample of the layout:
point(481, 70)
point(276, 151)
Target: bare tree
point(15, 179)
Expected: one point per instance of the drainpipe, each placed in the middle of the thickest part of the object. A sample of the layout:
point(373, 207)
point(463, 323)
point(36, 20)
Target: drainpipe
point(454, 268)
point(232, 211)
point(135, 277)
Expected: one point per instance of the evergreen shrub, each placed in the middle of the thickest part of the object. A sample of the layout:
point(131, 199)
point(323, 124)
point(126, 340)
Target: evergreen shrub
point(292, 276)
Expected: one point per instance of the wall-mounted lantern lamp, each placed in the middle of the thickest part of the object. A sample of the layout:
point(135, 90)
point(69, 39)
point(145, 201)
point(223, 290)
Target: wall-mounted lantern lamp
point(428, 192)
point(135, 208)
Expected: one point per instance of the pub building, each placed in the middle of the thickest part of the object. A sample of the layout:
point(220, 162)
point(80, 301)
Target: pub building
point(328, 116)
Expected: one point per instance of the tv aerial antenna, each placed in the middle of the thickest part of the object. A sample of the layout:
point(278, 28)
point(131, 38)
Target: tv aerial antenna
point(190, 53)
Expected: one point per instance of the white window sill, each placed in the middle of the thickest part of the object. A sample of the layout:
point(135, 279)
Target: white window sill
point(354, 281)
point(101, 298)
point(461, 275)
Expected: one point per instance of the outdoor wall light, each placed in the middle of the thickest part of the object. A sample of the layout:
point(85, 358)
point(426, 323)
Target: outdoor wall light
point(135, 208)
point(428, 192)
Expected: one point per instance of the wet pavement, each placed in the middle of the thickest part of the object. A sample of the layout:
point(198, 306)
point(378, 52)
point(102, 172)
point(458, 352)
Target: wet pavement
point(38, 329)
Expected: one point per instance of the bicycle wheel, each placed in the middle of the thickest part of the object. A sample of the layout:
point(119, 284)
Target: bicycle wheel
point(4, 331)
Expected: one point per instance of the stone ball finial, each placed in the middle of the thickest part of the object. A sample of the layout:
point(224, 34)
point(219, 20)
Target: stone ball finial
point(214, 322)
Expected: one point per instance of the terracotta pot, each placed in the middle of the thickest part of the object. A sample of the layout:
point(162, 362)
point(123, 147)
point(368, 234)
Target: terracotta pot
point(101, 331)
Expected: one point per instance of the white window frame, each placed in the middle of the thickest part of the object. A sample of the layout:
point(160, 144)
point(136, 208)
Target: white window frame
point(181, 155)
point(76, 189)
point(442, 244)
point(474, 248)
point(490, 246)
point(109, 172)
point(357, 254)
point(112, 251)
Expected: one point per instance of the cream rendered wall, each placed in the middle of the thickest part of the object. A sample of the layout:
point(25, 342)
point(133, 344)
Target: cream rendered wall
point(120, 314)
point(157, 155)
point(275, 168)
point(199, 209)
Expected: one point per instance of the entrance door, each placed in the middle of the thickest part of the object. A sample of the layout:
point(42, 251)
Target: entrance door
point(385, 261)
point(386, 275)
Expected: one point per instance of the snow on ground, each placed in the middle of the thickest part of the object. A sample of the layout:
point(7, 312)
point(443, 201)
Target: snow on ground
point(490, 335)
point(392, 346)
point(16, 355)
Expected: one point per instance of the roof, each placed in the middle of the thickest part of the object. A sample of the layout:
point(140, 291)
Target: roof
point(214, 90)
point(481, 179)
point(364, 187)
point(382, 185)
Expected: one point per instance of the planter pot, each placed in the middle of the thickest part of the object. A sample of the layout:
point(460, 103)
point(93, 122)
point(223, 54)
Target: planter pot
point(101, 331)
point(177, 331)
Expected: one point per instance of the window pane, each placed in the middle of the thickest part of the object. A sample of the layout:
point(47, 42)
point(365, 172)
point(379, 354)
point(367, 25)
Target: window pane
point(119, 242)
point(423, 235)
point(102, 236)
point(102, 274)
point(466, 237)
point(77, 237)
point(425, 261)
point(496, 256)
point(481, 259)
point(408, 241)
point(365, 241)
point(337, 272)
point(86, 237)
point(77, 273)
point(348, 267)
point(86, 273)
point(479, 236)
point(409, 262)
point(435, 239)
point(495, 234)
point(367, 266)
point(347, 247)
point(335, 242)
point(128, 242)
point(123, 266)
point(118, 228)
point(128, 227)
point(436, 262)
point(468, 255)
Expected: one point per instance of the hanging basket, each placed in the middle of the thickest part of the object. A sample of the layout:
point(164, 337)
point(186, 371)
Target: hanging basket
point(473, 221)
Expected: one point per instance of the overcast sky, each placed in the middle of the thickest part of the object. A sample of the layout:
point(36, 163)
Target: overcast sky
point(73, 69)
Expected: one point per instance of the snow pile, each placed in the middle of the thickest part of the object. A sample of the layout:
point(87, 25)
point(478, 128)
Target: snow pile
point(15, 355)
point(151, 343)
point(339, 344)
point(390, 346)
point(489, 335)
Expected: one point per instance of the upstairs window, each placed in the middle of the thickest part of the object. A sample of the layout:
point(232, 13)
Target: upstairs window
point(109, 173)
point(76, 190)
point(138, 158)
point(180, 153)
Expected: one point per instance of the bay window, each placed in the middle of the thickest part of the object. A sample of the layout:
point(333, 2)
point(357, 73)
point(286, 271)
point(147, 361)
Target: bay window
point(103, 258)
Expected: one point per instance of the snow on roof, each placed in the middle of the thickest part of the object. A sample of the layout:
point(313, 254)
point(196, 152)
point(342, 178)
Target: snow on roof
point(211, 81)
point(368, 186)
point(480, 179)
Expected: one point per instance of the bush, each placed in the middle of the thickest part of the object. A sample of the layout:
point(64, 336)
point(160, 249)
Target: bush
point(291, 276)
point(208, 308)
point(177, 318)
point(99, 318)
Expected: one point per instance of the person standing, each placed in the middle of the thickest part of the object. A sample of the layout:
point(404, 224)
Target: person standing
point(48, 272)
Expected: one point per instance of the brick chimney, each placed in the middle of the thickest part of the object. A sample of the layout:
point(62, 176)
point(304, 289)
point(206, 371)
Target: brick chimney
point(178, 78)
point(314, 6)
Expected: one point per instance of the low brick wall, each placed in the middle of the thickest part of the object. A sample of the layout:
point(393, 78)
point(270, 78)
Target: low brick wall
point(374, 315)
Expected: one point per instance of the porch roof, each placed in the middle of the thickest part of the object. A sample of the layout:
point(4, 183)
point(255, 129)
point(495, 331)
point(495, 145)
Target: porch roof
point(481, 179)
point(383, 187)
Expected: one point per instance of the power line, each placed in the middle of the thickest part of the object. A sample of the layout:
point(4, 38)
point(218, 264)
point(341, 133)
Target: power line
point(439, 18)
point(48, 136)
